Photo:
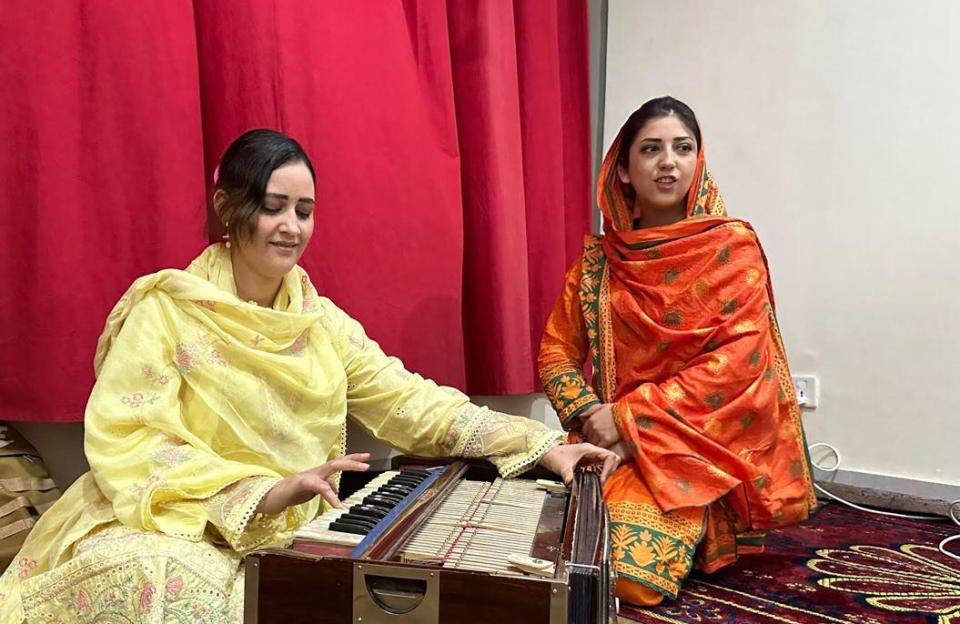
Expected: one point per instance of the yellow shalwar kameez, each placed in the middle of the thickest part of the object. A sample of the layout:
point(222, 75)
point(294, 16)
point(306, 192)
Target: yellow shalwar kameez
point(202, 403)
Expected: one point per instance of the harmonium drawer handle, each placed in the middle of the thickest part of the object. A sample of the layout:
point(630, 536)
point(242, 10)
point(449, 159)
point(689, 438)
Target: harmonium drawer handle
point(405, 595)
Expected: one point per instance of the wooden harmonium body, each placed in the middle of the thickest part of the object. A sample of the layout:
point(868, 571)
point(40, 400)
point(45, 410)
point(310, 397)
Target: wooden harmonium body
point(443, 544)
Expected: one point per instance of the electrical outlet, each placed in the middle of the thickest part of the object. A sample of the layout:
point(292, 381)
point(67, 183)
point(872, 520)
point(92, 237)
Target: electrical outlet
point(807, 389)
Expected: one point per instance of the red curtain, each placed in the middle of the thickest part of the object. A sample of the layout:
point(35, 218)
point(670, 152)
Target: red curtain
point(451, 142)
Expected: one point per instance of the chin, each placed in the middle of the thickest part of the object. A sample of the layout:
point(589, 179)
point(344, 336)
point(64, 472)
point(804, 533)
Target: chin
point(665, 205)
point(278, 269)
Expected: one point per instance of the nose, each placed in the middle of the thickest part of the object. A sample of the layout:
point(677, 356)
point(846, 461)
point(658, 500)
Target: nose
point(289, 224)
point(669, 159)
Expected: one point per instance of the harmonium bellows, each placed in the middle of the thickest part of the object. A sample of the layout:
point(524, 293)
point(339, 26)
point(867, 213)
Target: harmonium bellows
point(443, 544)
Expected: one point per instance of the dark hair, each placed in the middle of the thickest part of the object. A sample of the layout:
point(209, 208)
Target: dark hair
point(245, 168)
point(654, 109)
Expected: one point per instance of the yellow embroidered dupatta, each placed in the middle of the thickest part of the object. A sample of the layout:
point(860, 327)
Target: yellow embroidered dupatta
point(203, 402)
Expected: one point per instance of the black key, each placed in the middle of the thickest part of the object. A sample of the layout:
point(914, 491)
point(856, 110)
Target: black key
point(368, 510)
point(390, 496)
point(358, 519)
point(346, 527)
point(410, 475)
point(378, 501)
point(403, 484)
point(364, 525)
point(415, 471)
point(406, 481)
point(396, 489)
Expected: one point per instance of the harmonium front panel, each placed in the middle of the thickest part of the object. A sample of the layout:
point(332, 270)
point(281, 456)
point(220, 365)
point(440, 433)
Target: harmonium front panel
point(450, 543)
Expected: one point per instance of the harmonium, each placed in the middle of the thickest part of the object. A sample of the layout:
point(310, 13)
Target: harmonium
point(443, 544)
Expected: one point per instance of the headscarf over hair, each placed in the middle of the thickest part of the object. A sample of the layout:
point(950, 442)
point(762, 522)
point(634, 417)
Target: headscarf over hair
point(703, 198)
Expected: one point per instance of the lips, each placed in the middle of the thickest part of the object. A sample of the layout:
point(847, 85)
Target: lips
point(284, 245)
point(666, 183)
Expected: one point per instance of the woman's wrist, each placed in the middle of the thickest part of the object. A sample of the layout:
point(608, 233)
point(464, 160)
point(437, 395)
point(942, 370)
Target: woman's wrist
point(272, 501)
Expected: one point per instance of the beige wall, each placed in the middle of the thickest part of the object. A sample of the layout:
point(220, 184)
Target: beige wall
point(832, 127)
point(60, 446)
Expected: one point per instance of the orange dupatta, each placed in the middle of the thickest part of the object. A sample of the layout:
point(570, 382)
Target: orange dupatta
point(680, 324)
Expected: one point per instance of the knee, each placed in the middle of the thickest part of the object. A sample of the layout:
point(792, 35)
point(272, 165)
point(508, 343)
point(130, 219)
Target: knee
point(636, 593)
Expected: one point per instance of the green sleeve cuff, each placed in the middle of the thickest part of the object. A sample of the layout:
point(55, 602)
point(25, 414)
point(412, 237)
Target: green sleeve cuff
point(570, 395)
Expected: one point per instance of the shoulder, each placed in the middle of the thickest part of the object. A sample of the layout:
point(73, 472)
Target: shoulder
point(152, 299)
point(590, 260)
point(738, 263)
point(335, 319)
point(139, 319)
point(737, 237)
point(328, 308)
point(592, 245)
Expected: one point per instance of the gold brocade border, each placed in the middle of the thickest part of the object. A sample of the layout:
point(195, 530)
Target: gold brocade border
point(650, 516)
point(608, 362)
point(786, 385)
point(651, 547)
point(590, 279)
point(595, 303)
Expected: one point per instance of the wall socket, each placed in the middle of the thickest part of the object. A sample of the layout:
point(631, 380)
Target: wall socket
point(807, 388)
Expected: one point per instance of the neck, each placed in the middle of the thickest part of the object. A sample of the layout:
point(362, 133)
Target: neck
point(251, 285)
point(654, 217)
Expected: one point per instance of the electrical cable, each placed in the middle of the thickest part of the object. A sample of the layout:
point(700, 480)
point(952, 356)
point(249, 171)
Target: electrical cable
point(953, 512)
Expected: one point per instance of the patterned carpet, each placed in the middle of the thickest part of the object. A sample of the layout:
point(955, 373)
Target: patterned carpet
point(842, 566)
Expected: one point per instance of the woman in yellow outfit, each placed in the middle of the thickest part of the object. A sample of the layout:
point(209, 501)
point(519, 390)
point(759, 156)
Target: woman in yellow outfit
point(219, 415)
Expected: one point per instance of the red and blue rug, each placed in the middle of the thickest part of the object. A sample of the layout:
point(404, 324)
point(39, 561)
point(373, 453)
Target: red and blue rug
point(842, 566)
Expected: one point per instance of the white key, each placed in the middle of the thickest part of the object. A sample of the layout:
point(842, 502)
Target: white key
point(317, 530)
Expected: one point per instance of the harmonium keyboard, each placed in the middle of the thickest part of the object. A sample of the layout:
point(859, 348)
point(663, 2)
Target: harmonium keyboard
point(444, 544)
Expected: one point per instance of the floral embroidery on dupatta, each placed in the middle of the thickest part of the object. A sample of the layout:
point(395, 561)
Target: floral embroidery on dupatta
point(137, 399)
point(190, 354)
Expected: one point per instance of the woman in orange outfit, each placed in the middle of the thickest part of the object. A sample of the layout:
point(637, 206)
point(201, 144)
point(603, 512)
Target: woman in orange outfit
point(690, 381)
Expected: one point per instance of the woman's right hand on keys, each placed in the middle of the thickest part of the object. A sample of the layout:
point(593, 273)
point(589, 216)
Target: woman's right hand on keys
point(303, 486)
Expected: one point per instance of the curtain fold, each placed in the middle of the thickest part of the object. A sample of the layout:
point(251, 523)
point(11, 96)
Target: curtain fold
point(101, 179)
point(451, 142)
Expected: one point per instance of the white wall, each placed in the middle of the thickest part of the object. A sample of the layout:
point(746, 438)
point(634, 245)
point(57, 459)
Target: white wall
point(833, 126)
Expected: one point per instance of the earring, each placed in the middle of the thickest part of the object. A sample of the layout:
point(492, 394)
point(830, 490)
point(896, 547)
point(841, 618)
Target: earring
point(226, 235)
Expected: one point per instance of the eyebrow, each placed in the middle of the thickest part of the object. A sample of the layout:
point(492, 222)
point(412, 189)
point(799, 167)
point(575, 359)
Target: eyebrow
point(302, 200)
point(679, 138)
